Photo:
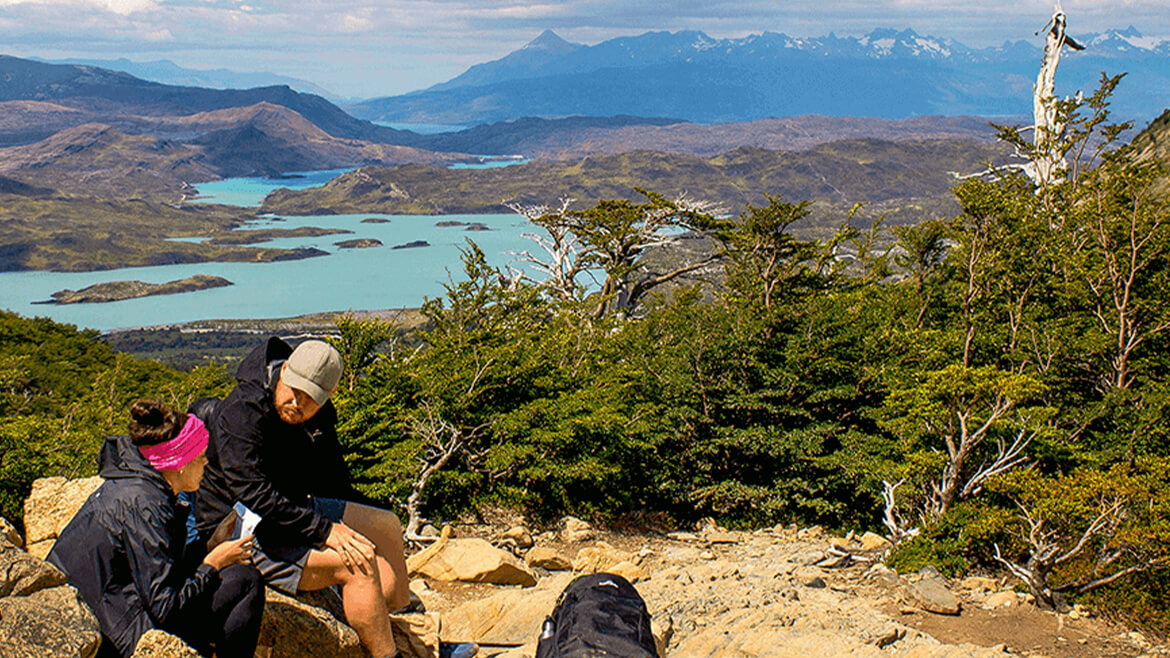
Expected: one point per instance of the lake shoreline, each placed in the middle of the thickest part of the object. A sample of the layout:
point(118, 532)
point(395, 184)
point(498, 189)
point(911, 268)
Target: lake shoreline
point(224, 342)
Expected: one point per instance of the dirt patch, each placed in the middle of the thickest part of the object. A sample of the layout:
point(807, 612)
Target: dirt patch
point(1024, 630)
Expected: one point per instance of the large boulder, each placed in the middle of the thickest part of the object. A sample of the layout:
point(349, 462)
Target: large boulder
point(50, 623)
point(292, 628)
point(469, 560)
point(547, 558)
point(160, 644)
point(50, 507)
point(313, 625)
point(22, 574)
point(932, 595)
point(508, 617)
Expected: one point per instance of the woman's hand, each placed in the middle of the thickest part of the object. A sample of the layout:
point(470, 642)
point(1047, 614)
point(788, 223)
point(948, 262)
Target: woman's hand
point(236, 551)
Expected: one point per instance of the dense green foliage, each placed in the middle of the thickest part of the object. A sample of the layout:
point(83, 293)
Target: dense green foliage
point(992, 388)
point(62, 392)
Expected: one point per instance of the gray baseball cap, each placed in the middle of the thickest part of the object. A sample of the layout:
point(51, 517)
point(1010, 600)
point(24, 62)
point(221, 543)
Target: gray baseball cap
point(315, 368)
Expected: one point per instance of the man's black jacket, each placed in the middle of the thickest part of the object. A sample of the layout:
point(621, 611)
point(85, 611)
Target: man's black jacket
point(272, 467)
point(123, 550)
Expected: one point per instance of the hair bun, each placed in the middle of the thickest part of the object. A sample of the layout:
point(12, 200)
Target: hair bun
point(153, 422)
point(147, 412)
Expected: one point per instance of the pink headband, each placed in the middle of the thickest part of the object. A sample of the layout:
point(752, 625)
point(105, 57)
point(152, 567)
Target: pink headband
point(174, 454)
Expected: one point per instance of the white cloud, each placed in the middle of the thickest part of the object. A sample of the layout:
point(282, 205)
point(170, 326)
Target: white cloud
point(351, 24)
point(122, 7)
point(159, 36)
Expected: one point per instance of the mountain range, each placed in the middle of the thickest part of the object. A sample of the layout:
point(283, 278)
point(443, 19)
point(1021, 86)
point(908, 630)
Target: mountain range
point(170, 73)
point(692, 76)
point(70, 126)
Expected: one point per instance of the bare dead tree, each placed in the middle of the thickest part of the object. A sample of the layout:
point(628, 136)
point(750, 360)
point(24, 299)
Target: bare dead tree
point(1048, 163)
point(1045, 157)
point(1048, 552)
point(962, 436)
point(441, 441)
point(565, 259)
point(900, 527)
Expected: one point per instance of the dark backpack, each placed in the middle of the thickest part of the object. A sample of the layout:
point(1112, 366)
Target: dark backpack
point(600, 614)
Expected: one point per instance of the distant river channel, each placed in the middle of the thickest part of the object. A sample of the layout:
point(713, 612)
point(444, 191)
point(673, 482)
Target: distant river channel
point(346, 279)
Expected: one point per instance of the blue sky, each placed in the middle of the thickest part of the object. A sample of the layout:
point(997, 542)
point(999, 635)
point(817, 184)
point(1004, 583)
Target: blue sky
point(379, 48)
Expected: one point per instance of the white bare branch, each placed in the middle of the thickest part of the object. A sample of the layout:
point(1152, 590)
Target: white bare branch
point(441, 441)
point(1006, 458)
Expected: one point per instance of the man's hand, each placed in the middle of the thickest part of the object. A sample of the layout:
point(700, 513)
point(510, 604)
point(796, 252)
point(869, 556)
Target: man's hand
point(355, 550)
point(231, 552)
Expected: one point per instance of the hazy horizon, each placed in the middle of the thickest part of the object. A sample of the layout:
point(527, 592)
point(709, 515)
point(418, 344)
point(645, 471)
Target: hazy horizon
point(373, 49)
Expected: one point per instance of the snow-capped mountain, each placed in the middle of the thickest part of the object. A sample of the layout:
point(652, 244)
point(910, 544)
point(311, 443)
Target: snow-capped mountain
point(887, 73)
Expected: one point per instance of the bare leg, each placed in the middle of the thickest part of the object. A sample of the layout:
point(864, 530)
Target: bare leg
point(361, 597)
point(383, 528)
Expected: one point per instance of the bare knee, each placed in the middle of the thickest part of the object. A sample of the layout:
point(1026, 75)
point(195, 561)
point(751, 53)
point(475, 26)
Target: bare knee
point(326, 568)
point(381, 526)
point(365, 573)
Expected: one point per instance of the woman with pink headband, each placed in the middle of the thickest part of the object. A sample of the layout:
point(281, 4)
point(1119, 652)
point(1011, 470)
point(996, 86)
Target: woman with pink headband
point(124, 549)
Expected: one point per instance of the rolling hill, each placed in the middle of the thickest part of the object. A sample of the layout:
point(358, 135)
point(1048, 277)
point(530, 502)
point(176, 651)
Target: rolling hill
point(157, 156)
point(906, 180)
point(105, 92)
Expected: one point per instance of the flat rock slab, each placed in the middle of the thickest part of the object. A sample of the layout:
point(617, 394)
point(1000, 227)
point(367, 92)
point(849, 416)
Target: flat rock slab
point(932, 594)
point(509, 617)
point(470, 560)
point(51, 623)
point(22, 574)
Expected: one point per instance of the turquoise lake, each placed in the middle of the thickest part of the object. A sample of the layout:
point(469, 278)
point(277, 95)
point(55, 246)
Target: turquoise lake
point(346, 279)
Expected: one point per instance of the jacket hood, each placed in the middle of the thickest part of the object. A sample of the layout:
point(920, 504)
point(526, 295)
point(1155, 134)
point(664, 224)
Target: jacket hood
point(254, 367)
point(120, 458)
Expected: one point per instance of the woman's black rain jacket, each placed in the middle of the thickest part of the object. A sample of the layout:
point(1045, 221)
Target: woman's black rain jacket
point(123, 551)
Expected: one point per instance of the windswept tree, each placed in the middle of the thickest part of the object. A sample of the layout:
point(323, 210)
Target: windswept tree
point(961, 427)
point(610, 242)
point(765, 261)
point(1082, 531)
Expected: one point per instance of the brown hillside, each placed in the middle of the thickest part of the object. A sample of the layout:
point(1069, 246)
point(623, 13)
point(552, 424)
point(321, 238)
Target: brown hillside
point(1153, 144)
point(140, 156)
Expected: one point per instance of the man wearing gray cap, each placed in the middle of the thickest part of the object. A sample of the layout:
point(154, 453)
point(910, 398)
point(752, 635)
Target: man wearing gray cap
point(274, 448)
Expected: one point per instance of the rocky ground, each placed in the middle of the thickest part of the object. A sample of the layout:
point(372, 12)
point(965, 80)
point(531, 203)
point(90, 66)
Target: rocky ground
point(782, 591)
point(777, 592)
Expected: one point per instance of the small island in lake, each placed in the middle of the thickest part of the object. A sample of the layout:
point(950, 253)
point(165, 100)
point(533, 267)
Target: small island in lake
point(375, 220)
point(450, 222)
point(113, 291)
point(412, 245)
point(359, 243)
point(476, 226)
point(254, 236)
